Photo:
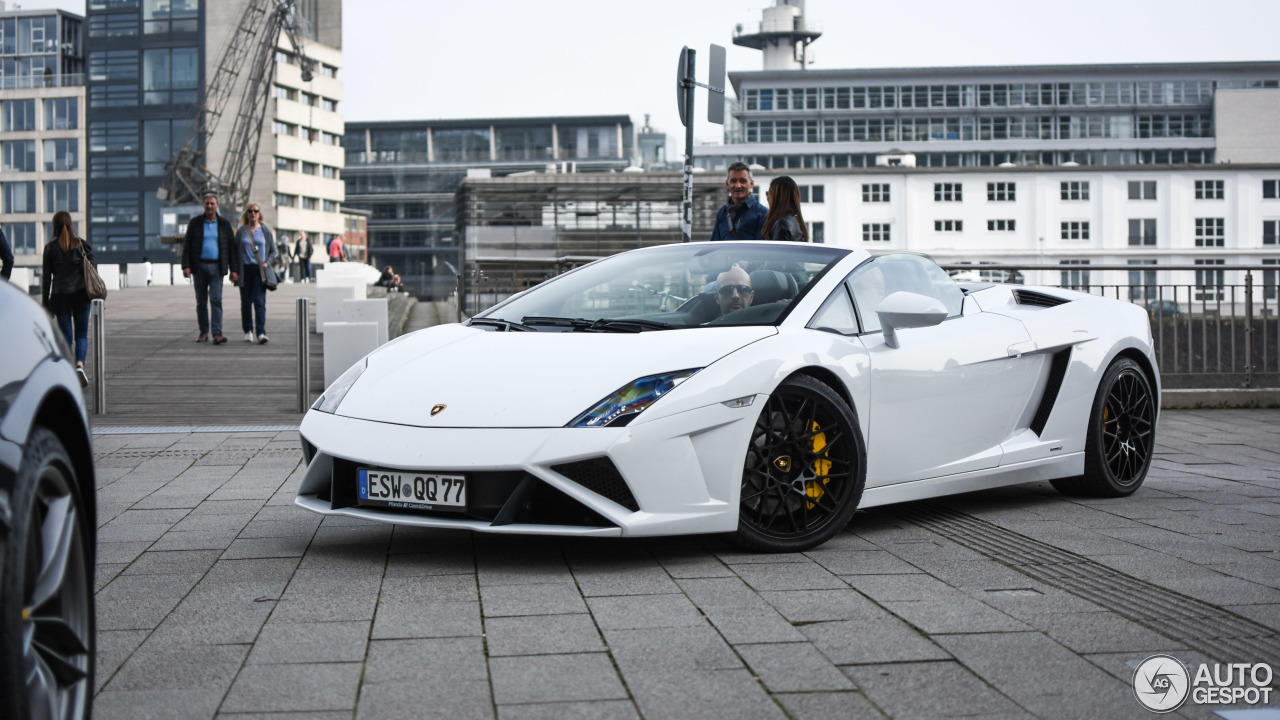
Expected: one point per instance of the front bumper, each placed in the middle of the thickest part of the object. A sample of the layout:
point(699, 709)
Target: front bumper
point(680, 474)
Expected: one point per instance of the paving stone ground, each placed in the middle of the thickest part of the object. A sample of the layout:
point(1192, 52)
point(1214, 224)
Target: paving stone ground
point(217, 598)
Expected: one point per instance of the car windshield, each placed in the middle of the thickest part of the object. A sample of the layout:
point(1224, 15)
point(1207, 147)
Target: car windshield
point(669, 287)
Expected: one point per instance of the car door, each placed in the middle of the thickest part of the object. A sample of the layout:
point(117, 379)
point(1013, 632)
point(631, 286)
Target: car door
point(944, 400)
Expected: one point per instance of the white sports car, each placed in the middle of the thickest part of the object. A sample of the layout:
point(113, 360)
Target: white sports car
point(762, 389)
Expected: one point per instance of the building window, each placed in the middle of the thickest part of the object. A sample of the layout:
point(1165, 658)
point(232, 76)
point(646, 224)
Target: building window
point(61, 155)
point(281, 92)
point(286, 164)
point(1001, 191)
point(948, 226)
point(875, 232)
point(328, 104)
point(113, 65)
point(948, 192)
point(1211, 232)
point(284, 128)
point(309, 168)
point(61, 113)
point(19, 197)
point(1270, 189)
point(160, 139)
point(170, 75)
point(1269, 278)
point(310, 203)
point(875, 193)
point(1000, 225)
point(61, 195)
point(1075, 190)
point(115, 136)
point(22, 237)
point(329, 172)
point(1209, 283)
point(330, 206)
point(1209, 190)
point(170, 16)
point(1075, 278)
point(1142, 231)
point(18, 115)
point(328, 71)
point(812, 193)
point(818, 232)
point(1270, 231)
point(1142, 189)
point(283, 200)
point(1142, 283)
point(1075, 230)
point(18, 156)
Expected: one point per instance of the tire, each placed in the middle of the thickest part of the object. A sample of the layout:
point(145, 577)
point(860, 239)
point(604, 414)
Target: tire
point(804, 470)
point(46, 591)
point(1121, 437)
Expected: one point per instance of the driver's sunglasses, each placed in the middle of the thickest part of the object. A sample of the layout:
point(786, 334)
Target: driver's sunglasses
point(741, 290)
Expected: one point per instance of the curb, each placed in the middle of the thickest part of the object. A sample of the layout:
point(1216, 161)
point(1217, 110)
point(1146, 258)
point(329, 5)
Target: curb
point(1221, 398)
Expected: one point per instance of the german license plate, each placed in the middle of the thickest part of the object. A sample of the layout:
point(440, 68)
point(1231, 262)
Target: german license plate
point(424, 491)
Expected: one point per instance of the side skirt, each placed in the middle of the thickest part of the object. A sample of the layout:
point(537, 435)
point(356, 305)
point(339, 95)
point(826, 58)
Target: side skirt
point(1032, 471)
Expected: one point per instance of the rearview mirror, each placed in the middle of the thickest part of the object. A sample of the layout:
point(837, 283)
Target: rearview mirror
point(903, 310)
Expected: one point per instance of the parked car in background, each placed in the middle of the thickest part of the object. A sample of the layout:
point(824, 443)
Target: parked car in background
point(47, 521)
point(1164, 308)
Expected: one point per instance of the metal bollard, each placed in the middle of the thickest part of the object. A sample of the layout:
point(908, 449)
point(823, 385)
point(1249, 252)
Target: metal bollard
point(304, 354)
point(98, 325)
point(457, 294)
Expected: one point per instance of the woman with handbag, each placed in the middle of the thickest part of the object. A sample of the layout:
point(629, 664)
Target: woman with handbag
point(258, 245)
point(62, 288)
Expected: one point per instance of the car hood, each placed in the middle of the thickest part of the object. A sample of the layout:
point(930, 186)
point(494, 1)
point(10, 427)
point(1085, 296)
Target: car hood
point(522, 379)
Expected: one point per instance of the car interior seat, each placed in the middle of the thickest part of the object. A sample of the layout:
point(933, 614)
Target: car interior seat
point(772, 286)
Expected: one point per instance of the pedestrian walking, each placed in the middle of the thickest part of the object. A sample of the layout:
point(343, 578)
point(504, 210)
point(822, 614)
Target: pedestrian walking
point(302, 250)
point(784, 221)
point(282, 257)
point(207, 255)
point(742, 218)
point(62, 289)
point(257, 248)
point(146, 263)
point(336, 251)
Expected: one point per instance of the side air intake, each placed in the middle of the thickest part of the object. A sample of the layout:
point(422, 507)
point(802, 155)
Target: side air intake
point(600, 476)
point(1031, 297)
point(1057, 371)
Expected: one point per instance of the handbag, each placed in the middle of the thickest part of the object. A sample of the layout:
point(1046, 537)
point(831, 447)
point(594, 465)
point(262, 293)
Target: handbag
point(269, 279)
point(93, 284)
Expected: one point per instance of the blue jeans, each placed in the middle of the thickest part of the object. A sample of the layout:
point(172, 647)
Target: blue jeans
point(78, 316)
point(253, 298)
point(208, 282)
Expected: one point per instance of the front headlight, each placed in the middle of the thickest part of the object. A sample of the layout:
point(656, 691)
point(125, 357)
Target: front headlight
point(328, 402)
point(624, 405)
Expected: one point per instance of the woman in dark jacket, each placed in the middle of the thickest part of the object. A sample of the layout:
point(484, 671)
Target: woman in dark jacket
point(784, 221)
point(62, 289)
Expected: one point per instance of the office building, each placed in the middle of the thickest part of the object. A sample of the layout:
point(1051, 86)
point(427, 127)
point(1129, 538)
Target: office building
point(148, 63)
point(41, 126)
point(405, 174)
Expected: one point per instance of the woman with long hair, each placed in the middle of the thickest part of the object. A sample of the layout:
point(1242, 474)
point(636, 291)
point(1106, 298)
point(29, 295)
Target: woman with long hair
point(784, 221)
point(257, 244)
point(62, 288)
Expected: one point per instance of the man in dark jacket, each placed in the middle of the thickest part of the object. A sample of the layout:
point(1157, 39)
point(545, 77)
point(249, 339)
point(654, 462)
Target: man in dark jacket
point(742, 218)
point(207, 255)
point(6, 257)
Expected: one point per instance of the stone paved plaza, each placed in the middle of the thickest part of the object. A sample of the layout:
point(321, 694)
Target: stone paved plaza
point(218, 598)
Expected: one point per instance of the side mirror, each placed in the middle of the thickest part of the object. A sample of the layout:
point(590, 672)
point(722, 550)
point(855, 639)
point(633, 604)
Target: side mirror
point(908, 310)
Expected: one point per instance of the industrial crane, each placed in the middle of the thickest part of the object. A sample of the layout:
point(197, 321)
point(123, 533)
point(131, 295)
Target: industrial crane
point(251, 50)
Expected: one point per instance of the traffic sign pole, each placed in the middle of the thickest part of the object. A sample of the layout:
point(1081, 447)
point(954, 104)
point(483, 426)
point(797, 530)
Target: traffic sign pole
point(686, 205)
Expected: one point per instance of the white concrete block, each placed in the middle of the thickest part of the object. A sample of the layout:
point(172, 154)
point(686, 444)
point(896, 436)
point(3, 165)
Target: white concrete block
point(178, 277)
point(22, 278)
point(110, 274)
point(344, 344)
point(162, 273)
point(370, 310)
point(329, 304)
point(135, 275)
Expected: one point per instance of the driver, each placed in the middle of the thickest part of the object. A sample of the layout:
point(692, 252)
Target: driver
point(733, 290)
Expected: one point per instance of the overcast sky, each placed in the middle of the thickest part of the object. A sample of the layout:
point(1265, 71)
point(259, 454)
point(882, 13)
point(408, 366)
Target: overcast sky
point(426, 59)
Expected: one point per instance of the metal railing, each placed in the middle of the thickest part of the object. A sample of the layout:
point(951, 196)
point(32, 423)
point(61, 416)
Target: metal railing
point(97, 325)
point(26, 82)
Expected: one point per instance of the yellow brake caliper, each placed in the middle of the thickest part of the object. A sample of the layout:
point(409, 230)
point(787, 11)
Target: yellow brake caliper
point(821, 467)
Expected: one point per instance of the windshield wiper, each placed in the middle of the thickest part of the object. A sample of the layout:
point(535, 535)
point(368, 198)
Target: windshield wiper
point(503, 325)
point(601, 325)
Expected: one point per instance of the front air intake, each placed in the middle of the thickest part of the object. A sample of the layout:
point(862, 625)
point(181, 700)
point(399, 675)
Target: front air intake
point(1038, 299)
point(600, 476)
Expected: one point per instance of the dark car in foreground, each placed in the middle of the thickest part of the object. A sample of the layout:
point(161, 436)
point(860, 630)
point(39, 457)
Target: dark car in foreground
point(47, 521)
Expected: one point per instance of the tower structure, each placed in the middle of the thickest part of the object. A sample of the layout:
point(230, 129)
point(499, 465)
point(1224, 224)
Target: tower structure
point(783, 35)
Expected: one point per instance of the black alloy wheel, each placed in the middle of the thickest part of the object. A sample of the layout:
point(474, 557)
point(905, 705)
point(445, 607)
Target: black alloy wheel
point(46, 592)
point(1121, 438)
point(804, 469)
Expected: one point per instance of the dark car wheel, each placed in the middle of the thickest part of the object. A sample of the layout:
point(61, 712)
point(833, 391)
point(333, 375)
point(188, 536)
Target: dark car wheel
point(804, 470)
point(1121, 437)
point(46, 592)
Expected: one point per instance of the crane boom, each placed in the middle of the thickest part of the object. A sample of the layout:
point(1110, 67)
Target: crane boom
point(251, 50)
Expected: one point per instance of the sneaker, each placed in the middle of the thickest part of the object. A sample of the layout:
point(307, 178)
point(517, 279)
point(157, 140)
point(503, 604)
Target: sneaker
point(84, 379)
point(262, 339)
point(248, 337)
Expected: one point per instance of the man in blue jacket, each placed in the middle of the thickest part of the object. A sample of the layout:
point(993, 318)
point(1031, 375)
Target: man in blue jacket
point(742, 218)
